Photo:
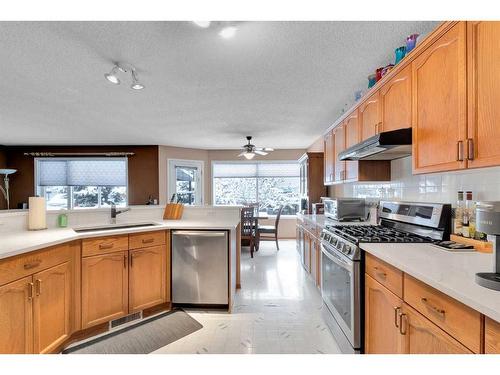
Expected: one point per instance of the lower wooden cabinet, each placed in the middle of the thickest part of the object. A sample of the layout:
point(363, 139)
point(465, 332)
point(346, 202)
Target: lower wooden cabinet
point(315, 260)
point(16, 317)
point(421, 336)
point(491, 336)
point(147, 277)
point(52, 307)
point(382, 309)
point(104, 288)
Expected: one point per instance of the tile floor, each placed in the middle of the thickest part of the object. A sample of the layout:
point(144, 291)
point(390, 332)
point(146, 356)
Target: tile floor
point(278, 310)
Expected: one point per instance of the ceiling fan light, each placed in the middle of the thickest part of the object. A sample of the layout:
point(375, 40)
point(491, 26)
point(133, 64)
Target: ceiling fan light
point(112, 78)
point(249, 155)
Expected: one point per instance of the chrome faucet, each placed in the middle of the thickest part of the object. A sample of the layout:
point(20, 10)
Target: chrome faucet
point(115, 212)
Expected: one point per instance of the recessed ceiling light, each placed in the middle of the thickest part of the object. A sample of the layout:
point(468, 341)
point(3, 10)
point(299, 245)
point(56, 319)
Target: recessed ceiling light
point(228, 32)
point(112, 77)
point(203, 24)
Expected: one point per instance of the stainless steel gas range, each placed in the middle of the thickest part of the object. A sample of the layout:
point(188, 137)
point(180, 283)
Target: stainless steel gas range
point(342, 261)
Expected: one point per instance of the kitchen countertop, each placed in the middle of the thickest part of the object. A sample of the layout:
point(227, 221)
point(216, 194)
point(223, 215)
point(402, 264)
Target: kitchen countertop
point(449, 272)
point(20, 242)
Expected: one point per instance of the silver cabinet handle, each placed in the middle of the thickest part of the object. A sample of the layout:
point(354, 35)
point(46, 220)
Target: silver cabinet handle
point(460, 151)
point(401, 330)
point(470, 149)
point(437, 310)
point(396, 314)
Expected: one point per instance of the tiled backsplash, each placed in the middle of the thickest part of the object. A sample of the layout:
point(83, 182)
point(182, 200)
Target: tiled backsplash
point(435, 187)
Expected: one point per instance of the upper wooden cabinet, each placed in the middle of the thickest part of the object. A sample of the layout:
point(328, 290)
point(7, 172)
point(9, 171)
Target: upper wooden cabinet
point(382, 307)
point(312, 178)
point(352, 137)
point(369, 116)
point(439, 103)
point(483, 133)
point(339, 140)
point(329, 158)
point(395, 102)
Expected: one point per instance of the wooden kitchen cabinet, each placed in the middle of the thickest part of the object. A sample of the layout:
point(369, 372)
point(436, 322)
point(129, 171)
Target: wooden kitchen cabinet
point(339, 141)
point(329, 158)
point(439, 104)
point(147, 277)
point(52, 307)
point(382, 307)
point(369, 116)
point(421, 336)
point(307, 251)
point(352, 137)
point(491, 336)
point(315, 260)
point(104, 288)
point(16, 317)
point(395, 102)
point(483, 133)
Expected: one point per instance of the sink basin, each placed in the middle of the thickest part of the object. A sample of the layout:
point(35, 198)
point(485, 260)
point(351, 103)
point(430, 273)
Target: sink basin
point(114, 227)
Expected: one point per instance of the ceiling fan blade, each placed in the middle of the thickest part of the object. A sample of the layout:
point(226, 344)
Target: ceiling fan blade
point(260, 152)
point(267, 149)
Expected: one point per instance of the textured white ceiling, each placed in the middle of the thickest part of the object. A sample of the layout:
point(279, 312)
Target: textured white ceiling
point(282, 82)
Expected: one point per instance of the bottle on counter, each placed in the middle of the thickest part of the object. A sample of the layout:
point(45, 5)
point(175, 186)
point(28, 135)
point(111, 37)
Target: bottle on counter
point(459, 210)
point(472, 217)
point(466, 231)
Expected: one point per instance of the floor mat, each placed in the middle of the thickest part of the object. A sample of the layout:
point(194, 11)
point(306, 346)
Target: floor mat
point(142, 338)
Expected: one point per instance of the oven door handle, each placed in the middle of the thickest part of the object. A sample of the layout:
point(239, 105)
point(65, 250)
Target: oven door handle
point(338, 260)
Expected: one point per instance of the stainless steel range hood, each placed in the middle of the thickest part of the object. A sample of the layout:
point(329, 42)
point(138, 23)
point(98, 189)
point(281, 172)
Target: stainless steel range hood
point(389, 145)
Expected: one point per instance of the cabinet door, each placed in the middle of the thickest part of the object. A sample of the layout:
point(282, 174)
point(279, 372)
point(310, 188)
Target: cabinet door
point(484, 94)
point(421, 336)
point(147, 277)
point(104, 288)
point(351, 138)
point(381, 319)
point(491, 336)
point(439, 104)
point(369, 116)
point(314, 260)
point(307, 252)
point(16, 322)
point(329, 160)
point(339, 139)
point(395, 102)
point(52, 307)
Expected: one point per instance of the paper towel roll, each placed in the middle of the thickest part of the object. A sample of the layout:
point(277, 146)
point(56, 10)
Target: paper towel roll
point(37, 216)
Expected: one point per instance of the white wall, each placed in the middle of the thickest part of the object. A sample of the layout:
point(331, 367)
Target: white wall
point(434, 187)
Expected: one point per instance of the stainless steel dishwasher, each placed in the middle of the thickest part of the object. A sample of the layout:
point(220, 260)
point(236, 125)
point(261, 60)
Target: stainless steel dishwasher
point(200, 274)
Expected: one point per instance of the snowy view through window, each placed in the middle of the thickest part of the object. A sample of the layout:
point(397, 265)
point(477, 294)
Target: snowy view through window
point(269, 184)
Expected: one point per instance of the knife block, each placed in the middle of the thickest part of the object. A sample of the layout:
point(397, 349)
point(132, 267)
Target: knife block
point(173, 211)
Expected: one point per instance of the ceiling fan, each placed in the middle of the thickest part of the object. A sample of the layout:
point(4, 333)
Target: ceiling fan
point(249, 150)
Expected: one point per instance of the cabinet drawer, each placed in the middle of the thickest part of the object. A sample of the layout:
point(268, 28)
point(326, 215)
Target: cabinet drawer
point(104, 245)
point(146, 239)
point(27, 264)
point(458, 320)
point(385, 274)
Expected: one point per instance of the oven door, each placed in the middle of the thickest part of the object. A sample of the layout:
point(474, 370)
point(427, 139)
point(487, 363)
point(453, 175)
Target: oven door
point(340, 289)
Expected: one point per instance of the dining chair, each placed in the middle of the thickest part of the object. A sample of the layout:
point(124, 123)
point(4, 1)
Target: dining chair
point(271, 230)
point(248, 229)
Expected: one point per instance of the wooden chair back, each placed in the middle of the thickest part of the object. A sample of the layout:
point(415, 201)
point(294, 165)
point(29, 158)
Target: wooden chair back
point(278, 215)
point(247, 222)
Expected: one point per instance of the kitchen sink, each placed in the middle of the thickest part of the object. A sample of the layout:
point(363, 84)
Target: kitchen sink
point(114, 227)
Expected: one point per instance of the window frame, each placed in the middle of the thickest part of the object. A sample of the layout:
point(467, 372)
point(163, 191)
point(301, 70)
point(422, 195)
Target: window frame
point(40, 190)
point(171, 177)
point(236, 162)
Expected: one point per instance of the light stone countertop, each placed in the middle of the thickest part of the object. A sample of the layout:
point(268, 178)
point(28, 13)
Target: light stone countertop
point(20, 242)
point(452, 273)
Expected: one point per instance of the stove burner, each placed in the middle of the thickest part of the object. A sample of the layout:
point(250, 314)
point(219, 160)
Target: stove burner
point(373, 233)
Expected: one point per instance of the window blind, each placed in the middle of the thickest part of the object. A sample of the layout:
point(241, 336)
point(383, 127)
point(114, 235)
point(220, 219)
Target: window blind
point(87, 172)
point(229, 170)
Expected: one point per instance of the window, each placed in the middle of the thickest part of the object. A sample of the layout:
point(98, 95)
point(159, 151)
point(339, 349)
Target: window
point(81, 183)
point(271, 184)
point(186, 181)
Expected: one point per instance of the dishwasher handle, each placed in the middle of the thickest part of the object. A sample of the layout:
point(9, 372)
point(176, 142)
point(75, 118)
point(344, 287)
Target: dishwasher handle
point(199, 233)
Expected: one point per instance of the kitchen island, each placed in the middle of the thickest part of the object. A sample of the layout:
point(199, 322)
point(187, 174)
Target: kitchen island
point(59, 285)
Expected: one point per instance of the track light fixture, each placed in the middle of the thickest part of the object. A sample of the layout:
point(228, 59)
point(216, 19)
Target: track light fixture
point(112, 76)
